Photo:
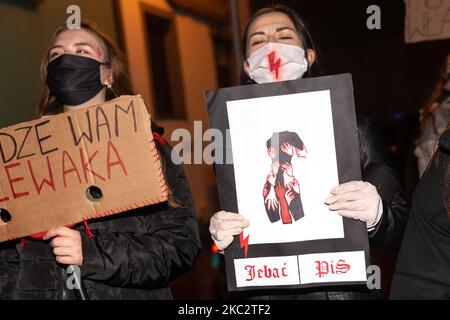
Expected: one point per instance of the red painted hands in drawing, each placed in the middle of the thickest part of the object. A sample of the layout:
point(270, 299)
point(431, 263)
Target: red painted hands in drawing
point(290, 195)
point(291, 150)
point(289, 180)
point(271, 200)
point(287, 148)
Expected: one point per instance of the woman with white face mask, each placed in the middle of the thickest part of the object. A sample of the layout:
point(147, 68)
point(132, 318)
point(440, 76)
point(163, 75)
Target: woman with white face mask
point(278, 47)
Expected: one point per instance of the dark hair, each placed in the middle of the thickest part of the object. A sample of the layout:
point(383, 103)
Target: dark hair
point(300, 27)
point(285, 136)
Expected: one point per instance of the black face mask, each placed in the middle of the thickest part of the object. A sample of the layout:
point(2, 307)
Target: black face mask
point(73, 80)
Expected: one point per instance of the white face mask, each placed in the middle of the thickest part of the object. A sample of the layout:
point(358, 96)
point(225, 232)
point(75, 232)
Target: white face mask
point(277, 62)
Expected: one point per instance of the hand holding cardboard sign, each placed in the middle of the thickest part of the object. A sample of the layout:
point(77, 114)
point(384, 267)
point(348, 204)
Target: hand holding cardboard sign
point(357, 200)
point(66, 245)
point(224, 225)
point(87, 157)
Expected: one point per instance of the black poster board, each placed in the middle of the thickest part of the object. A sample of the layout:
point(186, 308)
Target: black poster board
point(323, 261)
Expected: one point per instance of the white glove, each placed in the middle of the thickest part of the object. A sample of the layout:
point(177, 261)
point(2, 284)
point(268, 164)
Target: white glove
point(357, 200)
point(224, 225)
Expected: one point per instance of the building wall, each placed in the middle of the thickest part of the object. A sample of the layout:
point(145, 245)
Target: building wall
point(25, 32)
point(197, 71)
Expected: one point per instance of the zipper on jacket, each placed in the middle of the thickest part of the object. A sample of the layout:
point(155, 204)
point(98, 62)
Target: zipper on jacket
point(63, 283)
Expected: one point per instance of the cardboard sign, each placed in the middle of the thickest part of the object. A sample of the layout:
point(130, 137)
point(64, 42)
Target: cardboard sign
point(427, 20)
point(291, 143)
point(78, 165)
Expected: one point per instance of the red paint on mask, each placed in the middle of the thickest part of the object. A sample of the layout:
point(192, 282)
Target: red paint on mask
point(274, 65)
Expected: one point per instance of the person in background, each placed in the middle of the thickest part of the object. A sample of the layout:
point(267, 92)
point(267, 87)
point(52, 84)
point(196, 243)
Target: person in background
point(279, 27)
point(423, 264)
point(133, 255)
point(434, 118)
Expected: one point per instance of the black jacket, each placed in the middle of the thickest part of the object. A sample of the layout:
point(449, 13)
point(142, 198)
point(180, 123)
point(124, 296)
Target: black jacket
point(423, 265)
point(377, 168)
point(133, 255)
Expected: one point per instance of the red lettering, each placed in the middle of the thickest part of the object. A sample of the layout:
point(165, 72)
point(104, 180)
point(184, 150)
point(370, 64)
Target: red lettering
point(44, 181)
point(264, 272)
point(275, 273)
point(119, 161)
point(323, 267)
point(260, 273)
point(283, 270)
point(65, 156)
point(12, 181)
point(342, 267)
point(267, 272)
point(50, 179)
point(251, 272)
point(85, 165)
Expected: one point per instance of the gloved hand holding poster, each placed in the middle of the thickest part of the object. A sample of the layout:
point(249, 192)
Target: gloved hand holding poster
point(290, 143)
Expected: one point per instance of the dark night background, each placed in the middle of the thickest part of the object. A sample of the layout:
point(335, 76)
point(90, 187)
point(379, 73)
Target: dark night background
point(392, 79)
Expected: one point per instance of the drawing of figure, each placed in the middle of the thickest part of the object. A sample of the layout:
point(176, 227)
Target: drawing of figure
point(281, 191)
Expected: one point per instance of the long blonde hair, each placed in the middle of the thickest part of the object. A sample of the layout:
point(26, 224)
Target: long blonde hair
point(47, 103)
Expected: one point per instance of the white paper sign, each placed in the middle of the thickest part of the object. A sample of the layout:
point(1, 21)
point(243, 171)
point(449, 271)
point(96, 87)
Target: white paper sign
point(252, 123)
point(302, 269)
point(267, 271)
point(332, 267)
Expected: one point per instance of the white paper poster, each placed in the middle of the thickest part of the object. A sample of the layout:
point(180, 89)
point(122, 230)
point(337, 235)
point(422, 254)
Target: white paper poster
point(314, 170)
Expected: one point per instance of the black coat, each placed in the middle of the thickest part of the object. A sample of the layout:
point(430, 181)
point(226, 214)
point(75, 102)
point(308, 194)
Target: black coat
point(423, 265)
point(377, 168)
point(133, 255)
